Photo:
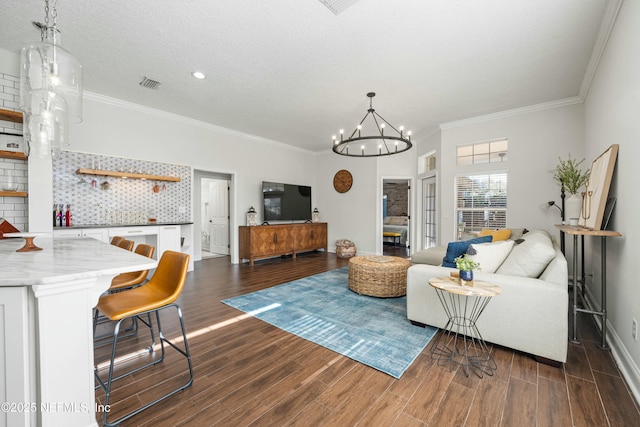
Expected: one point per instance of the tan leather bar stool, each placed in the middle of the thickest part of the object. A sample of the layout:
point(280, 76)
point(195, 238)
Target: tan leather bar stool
point(126, 281)
point(126, 244)
point(159, 293)
point(116, 240)
point(134, 278)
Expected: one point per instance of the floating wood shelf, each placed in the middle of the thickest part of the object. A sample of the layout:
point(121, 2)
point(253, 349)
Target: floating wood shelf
point(12, 155)
point(127, 175)
point(11, 116)
point(13, 193)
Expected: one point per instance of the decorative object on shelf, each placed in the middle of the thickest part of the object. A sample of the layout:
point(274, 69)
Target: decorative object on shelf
point(11, 142)
point(9, 181)
point(465, 266)
point(342, 181)
point(359, 144)
point(50, 88)
point(315, 215)
point(251, 217)
point(345, 248)
point(571, 179)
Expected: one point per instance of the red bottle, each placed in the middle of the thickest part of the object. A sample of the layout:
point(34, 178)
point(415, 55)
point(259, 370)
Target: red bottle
point(67, 216)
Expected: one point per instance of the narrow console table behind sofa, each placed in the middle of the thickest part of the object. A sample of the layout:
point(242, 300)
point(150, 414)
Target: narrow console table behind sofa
point(576, 231)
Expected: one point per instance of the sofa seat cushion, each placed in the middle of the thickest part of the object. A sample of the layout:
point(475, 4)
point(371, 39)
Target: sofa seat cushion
point(456, 249)
point(531, 257)
point(490, 256)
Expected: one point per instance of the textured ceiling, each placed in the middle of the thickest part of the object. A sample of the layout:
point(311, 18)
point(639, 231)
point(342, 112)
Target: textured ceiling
point(294, 72)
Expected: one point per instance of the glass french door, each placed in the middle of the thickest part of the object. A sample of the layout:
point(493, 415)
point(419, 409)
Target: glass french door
point(429, 212)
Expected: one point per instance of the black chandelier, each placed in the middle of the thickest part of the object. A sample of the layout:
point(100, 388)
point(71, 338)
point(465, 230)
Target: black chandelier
point(374, 145)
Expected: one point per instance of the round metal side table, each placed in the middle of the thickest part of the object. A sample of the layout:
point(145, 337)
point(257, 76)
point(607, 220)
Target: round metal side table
point(460, 342)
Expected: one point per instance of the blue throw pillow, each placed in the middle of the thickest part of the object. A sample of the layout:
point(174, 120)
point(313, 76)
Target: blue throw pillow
point(455, 249)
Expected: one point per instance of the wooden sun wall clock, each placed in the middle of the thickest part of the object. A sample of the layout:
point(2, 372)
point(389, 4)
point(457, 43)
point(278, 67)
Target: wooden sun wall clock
point(342, 181)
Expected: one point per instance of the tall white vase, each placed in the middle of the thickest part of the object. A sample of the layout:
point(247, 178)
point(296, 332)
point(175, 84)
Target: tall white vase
point(572, 208)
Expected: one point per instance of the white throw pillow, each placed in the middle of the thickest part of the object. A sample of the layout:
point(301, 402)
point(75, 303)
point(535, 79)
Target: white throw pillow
point(531, 257)
point(490, 256)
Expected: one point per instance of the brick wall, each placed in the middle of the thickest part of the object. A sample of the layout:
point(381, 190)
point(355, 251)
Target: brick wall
point(13, 209)
point(397, 198)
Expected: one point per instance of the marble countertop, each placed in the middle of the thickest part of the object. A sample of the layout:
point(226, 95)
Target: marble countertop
point(63, 260)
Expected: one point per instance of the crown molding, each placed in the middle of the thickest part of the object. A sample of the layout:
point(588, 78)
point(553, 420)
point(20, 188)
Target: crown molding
point(92, 96)
point(513, 112)
point(606, 27)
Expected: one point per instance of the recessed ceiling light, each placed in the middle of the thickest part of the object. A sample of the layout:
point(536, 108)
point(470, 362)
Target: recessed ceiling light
point(198, 75)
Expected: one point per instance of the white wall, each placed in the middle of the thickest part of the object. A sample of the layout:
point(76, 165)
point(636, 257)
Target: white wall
point(536, 139)
point(611, 117)
point(115, 128)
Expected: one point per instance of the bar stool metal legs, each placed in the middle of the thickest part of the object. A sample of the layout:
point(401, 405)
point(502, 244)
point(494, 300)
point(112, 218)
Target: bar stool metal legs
point(107, 384)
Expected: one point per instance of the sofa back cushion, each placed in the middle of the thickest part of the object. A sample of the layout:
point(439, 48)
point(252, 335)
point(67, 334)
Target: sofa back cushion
point(490, 256)
point(456, 249)
point(497, 234)
point(531, 257)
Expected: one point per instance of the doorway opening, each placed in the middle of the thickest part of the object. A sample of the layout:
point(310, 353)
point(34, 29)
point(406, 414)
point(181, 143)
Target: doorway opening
point(396, 220)
point(212, 217)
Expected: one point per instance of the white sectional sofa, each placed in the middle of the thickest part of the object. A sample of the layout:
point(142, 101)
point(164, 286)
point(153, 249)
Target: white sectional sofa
point(531, 313)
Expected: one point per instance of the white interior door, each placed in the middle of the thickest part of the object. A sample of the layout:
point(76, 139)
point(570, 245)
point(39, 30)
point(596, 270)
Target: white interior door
point(215, 214)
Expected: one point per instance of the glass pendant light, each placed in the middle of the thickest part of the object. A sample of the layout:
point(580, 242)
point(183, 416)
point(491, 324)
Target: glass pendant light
point(50, 88)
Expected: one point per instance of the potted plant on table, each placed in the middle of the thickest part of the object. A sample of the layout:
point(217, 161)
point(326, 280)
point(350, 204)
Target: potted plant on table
point(465, 266)
point(571, 179)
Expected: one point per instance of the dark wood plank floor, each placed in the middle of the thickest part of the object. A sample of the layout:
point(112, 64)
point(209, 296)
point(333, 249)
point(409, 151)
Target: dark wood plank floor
point(250, 373)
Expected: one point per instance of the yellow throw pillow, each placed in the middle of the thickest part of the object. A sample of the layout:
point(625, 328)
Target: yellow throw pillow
point(497, 235)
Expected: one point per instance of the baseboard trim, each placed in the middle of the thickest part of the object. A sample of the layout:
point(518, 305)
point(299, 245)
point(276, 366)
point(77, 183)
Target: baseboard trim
point(628, 367)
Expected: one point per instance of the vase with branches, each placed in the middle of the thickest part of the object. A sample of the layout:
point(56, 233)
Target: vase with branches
point(570, 175)
point(571, 178)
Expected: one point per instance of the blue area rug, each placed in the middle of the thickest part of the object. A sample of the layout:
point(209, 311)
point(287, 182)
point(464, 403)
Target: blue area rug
point(321, 309)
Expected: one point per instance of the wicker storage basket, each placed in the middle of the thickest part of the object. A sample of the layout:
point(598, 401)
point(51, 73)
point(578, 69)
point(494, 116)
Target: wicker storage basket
point(378, 276)
point(345, 248)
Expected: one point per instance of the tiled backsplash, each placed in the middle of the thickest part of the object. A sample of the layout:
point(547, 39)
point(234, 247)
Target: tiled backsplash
point(13, 209)
point(112, 200)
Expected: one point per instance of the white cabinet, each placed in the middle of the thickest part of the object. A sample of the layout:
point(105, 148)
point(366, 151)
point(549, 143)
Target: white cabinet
point(168, 238)
point(67, 232)
point(163, 237)
point(96, 233)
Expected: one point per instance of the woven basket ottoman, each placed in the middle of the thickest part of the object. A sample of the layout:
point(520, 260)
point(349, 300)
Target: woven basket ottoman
point(378, 276)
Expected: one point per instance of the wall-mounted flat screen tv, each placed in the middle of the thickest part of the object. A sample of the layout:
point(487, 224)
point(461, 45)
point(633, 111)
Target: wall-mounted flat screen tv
point(286, 202)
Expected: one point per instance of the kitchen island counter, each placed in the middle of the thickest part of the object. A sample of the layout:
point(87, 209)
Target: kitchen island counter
point(46, 301)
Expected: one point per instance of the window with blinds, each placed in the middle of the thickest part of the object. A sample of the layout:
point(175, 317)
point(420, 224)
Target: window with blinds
point(481, 201)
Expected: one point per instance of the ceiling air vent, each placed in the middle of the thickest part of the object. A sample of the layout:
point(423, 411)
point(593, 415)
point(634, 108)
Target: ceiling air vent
point(338, 6)
point(149, 83)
